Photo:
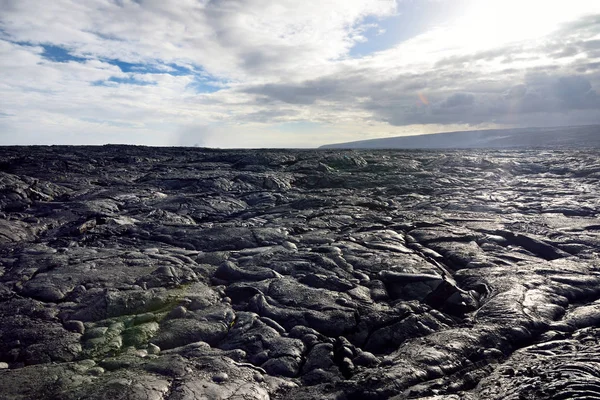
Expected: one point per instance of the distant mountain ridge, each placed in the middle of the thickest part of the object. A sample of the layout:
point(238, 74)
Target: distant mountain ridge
point(571, 136)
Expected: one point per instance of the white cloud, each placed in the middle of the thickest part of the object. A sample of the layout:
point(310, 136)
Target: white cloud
point(283, 61)
point(233, 38)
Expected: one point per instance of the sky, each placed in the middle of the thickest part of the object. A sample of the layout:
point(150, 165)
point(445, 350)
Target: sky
point(289, 73)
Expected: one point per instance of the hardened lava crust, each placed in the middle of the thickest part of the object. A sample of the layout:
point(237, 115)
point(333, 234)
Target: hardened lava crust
point(187, 273)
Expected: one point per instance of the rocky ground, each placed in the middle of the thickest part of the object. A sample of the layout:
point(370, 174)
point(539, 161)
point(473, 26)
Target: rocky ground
point(172, 273)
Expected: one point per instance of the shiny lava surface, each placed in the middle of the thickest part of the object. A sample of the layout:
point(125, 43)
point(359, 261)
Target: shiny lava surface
point(186, 273)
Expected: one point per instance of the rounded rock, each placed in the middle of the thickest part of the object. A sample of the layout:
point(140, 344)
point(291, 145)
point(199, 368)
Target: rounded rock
point(366, 359)
point(153, 349)
point(220, 377)
point(347, 364)
point(75, 326)
point(178, 312)
point(258, 377)
point(289, 245)
point(96, 371)
point(346, 352)
point(282, 366)
point(310, 340)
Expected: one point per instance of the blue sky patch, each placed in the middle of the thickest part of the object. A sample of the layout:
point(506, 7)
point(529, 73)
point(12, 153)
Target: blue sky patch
point(412, 18)
point(124, 66)
point(140, 68)
point(178, 70)
point(114, 81)
point(130, 81)
point(376, 40)
point(206, 85)
point(59, 54)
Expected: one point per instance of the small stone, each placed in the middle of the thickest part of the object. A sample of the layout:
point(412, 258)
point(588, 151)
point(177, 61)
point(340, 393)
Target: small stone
point(153, 349)
point(87, 363)
point(96, 371)
point(346, 352)
point(347, 364)
point(45, 293)
point(3, 365)
point(310, 339)
point(97, 332)
point(258, 377)
point(220, 377)
point(321, 356)
point(74, 326)
point(289, 245)
point(282, 366)
point(366, 359)
point(493, 353)
point(342, 301)
point(261, 357)
point(178, 312)
point(141, 353)
point(319, 375)
point(361, 276)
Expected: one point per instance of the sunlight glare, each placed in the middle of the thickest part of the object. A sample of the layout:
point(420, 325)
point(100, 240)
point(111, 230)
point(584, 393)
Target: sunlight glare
point(492, 23)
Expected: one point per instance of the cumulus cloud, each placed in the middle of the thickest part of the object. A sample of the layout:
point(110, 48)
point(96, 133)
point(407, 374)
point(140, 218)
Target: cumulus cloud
point(232, 38)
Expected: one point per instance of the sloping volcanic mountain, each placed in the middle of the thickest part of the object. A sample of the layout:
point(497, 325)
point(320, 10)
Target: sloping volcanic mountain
point(559, 137)
point(185, 273)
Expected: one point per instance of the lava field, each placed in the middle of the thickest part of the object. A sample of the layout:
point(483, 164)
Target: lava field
point(186, 273)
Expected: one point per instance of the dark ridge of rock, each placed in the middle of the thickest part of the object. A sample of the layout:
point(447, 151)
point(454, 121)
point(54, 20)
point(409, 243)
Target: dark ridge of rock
point(567, 136)
point(179, 273)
